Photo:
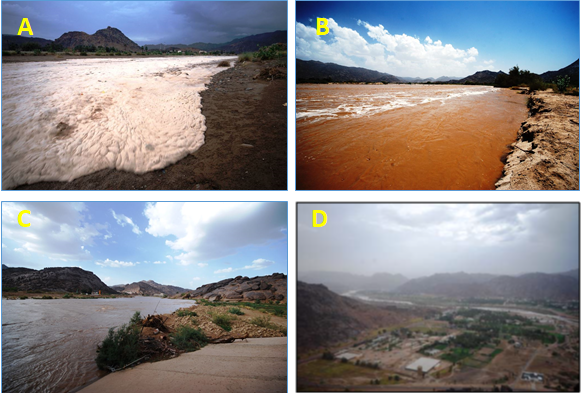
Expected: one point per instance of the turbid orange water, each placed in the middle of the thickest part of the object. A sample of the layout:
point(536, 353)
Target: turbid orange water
point(404, 137)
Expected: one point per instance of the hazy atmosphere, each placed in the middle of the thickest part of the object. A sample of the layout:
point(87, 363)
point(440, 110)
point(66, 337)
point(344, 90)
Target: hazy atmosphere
point(149, 22)
point(423, 239)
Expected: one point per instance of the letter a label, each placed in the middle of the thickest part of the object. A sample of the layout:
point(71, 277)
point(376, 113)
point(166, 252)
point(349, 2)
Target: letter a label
point(322, 27)
point(25, 26)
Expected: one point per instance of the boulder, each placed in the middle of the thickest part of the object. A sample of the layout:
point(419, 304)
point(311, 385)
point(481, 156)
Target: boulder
point(252, 295)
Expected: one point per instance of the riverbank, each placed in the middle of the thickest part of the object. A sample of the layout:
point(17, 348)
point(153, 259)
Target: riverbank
point(254, 365)
point(545, 155)
point(245, 143)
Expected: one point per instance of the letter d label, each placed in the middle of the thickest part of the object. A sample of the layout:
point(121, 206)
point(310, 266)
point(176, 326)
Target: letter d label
point(315, 212)
point(322, 28)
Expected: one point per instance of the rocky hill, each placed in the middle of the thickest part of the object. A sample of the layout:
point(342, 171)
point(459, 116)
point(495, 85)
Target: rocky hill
point(340, 282)
point(317, 72)
point(109, 37)
point(241, 288)
point(8, 40)
point(53, 279)
point(527, 286)
point(479, 78)
point(149, 288)
point(572, 70)
point(325, 318)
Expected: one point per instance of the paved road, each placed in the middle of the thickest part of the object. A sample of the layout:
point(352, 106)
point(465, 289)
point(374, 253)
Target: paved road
point(258, 365)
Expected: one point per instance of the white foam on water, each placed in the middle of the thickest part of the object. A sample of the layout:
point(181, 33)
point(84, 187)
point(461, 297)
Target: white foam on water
point(379, 102)
point(62, 120)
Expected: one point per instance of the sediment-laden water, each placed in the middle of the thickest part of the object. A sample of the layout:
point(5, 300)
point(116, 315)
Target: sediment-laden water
point(50, 345)
point(410, 137)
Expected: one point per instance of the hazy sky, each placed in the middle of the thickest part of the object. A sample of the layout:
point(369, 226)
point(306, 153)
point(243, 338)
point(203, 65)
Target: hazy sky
point(441, 38)
point(183, 244)
point(149, 22)
point(423, 239)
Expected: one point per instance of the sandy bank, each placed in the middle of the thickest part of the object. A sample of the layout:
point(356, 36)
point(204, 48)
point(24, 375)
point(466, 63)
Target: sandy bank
point(545, 155)
point(255, 365)
point(245, 142)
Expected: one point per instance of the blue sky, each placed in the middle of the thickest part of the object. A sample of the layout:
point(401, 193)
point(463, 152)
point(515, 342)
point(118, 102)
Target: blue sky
point(149, 22)
point(184, 244)
point(437, 38)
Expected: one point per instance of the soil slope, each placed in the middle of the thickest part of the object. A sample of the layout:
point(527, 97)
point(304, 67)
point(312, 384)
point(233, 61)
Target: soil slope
point(545, 155)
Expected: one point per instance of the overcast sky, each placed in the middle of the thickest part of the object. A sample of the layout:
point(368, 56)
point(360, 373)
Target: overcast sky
point(183, 244)
point(440, 38)
point(149, 22)
point(423, 239)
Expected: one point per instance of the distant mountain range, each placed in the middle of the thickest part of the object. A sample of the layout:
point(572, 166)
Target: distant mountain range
point(53, 279)
point(535, 286)
point(325, 318)
point(149, 288)
point(561, 286)
point(317, 72)
point(340, 283)
point(112, 37)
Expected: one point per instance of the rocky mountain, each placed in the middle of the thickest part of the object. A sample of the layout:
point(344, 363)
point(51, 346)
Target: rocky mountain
point(526, 286)
point(241, 288)
point(53, 279)
point(246, 44)
point(572, 70)
point(340, 283)
point(479, 78)
point(316, 72)
point(325, 318)
point(149, 288)
point(571, 273)
point(109, 37)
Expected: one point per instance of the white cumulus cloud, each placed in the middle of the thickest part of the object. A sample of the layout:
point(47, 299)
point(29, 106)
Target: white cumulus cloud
point(259, 264)
point(212, 230)
point(110, 263)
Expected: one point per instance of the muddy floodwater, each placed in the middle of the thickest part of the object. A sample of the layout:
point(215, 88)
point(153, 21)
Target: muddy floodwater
point(408, 137)
point(50, 345)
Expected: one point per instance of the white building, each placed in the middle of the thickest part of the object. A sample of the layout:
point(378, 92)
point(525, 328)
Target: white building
point(425, 363)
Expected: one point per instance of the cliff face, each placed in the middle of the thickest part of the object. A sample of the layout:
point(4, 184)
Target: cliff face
point(54, 279)
point(271, 287)
point(109, 37)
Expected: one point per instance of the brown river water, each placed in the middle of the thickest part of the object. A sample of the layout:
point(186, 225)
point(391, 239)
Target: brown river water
point(50, 345)
point(404, 137)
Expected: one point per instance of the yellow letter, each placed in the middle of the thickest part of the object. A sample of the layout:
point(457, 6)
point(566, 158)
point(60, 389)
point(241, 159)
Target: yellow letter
point(20, 218)
point(22, 28)
point(322, 28)
point(315, 212)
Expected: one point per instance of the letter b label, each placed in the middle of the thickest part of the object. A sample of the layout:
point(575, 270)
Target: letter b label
point(322, 28)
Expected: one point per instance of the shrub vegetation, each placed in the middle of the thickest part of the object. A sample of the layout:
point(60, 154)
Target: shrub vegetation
point(188, 338)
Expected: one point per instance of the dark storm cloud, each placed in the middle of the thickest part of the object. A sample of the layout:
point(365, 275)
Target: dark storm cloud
point(149, 22)
point(423, 239)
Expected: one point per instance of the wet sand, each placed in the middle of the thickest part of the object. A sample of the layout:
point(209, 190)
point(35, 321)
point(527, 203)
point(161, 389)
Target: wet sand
point(545, 155)
point(254, 365)
point(245, 142)
point(406, 137)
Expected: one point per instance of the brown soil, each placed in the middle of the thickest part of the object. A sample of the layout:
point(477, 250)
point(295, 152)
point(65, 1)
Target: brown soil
point(545, 155)
point(245, 147)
